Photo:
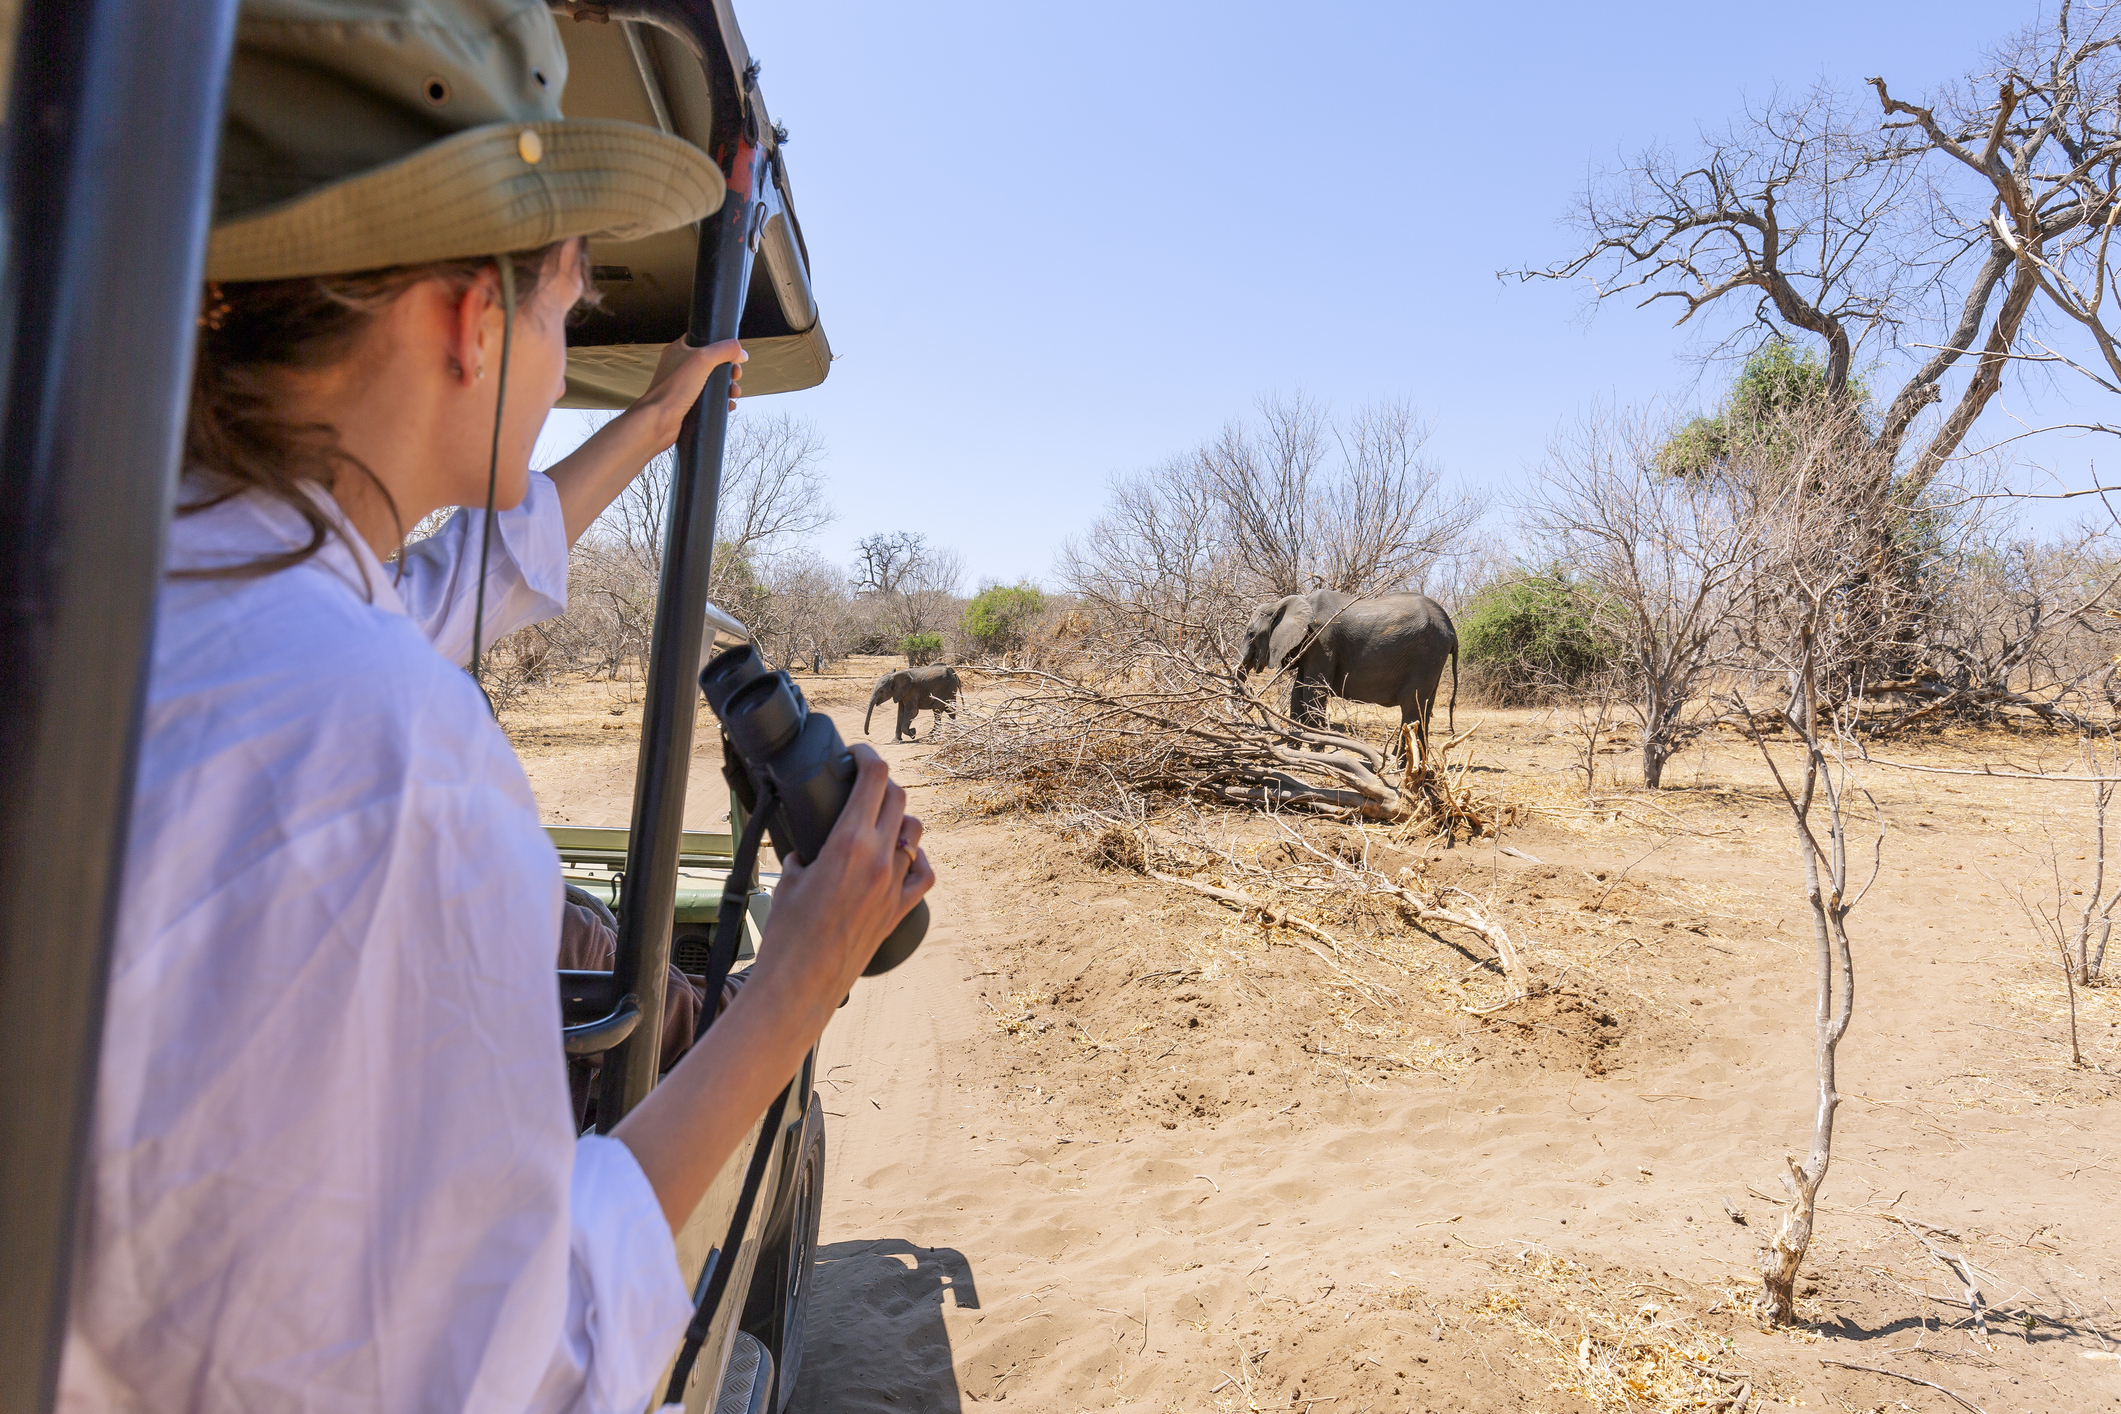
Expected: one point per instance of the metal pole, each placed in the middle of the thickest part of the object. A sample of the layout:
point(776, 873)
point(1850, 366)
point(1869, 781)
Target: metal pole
point(648, 896)
point(114, 118)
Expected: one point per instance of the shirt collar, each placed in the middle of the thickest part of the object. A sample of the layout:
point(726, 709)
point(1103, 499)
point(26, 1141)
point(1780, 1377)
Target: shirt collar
point(252, 525)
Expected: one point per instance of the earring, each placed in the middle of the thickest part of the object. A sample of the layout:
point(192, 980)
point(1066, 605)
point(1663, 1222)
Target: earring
point(480, 376)
point(215, 309)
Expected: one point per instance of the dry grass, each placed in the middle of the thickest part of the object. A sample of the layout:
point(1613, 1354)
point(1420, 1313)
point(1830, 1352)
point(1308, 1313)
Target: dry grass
point(1630, 1346)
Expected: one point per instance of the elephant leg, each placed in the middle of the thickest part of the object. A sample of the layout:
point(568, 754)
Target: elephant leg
point(1300, 702)
point(907, 711)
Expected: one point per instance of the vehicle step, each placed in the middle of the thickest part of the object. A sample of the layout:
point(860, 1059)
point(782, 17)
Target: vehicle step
point(748, 1380)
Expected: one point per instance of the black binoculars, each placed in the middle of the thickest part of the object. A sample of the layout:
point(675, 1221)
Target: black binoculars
point(772, 737)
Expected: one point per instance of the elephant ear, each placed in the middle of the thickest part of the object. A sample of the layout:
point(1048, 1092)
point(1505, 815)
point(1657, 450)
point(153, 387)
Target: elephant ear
point(901, 685)
point(1292, 622)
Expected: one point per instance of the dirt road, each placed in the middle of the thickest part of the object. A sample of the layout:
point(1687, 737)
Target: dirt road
point(1103, 1143)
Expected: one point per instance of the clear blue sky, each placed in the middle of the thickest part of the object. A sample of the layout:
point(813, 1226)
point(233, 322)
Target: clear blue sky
point(1055, 242)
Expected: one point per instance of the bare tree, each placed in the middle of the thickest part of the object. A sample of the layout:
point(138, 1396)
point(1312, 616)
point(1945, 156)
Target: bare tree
point(773, 493)
point(1390, 524)
point(883, 560)
point(2033, 137)
point(2013, 629)
point(1822, 793)
point(1264, 483)
point(1665, 563)
point(1291, 502)
point(1370, 520)
point(1156, 562)
point(1817, 602)
point(1931, 235)
point(933, 590)
point(806, 615)
point(916, 583)
point(2079, 933)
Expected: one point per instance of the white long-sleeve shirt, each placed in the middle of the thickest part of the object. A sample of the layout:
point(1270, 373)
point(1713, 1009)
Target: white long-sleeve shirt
point(333, 1164)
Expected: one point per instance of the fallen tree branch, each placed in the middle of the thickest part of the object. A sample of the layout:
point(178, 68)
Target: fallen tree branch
point(1165, 723)
point(1959, 1399)
point(1955, 1264)
point(1516, 974)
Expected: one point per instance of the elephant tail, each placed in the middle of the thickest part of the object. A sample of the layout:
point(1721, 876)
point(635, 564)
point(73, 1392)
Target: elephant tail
point(1452, 728)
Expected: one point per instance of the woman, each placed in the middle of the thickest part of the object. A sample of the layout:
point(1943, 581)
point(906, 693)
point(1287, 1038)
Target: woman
point(333, 1164)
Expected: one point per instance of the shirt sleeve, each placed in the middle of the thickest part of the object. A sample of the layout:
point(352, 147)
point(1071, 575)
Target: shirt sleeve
point(627, 1304)
point(526, 572)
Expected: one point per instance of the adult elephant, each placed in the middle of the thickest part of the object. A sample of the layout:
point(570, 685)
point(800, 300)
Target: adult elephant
point(1387, 648)
point(915, 690)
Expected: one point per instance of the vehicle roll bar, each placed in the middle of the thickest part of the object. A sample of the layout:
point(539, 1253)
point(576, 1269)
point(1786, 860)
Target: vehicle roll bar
point(114, 110)
point(647, 895)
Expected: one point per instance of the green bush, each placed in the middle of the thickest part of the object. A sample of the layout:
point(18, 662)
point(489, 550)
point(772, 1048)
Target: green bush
point(999, 617)
point(1525, 637)
point(921, 648)
point(1777, 382)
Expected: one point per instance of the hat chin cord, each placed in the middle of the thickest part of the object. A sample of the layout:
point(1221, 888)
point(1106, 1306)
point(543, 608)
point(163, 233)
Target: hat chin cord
point(507, 270)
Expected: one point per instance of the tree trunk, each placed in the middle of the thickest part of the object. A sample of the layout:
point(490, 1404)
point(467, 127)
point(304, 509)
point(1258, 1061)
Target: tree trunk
point(1778, 1277)
point(1655, 752)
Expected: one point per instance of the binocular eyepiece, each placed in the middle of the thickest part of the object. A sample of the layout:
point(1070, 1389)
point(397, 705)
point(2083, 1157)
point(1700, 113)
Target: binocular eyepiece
point(773, 736)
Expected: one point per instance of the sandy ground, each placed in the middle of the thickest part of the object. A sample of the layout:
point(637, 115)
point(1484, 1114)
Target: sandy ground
point(1104, 1143)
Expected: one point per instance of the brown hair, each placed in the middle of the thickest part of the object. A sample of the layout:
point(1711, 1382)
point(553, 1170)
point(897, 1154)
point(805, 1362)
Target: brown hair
point(250, 337)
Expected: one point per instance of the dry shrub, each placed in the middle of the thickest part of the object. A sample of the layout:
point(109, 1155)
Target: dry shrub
point(1169, 724)
point(1117, 846)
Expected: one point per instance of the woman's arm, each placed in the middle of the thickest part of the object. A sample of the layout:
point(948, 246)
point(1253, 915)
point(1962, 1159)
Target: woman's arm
point(828, 919)
point(591, 477)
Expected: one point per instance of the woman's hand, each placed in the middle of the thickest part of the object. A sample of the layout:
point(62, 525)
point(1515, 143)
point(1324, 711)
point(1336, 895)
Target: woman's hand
point(680, 374)
point(591, 477)
point(830, 916)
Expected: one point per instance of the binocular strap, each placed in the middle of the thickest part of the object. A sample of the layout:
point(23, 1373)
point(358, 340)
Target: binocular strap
point(728, 933)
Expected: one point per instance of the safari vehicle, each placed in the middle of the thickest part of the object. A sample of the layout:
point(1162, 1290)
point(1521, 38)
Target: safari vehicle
point(113, 112)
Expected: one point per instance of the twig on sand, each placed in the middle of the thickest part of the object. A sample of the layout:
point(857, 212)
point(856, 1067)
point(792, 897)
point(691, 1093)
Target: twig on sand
point(1958, 1399)
point(1141, 1321)
point(1218, 1187)
point(1168, 972)
point(1956, 1264)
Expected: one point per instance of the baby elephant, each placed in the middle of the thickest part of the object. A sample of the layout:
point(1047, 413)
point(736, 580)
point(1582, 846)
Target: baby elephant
point(915, 689)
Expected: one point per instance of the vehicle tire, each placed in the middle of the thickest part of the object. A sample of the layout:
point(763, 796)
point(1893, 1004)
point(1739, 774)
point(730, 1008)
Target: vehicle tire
point(778, 1305)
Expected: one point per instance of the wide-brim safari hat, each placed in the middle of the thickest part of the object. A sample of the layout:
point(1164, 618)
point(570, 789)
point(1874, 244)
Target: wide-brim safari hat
point(362, 134)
